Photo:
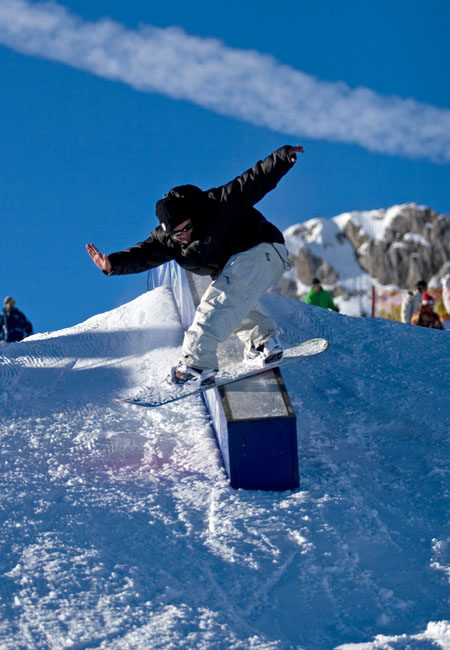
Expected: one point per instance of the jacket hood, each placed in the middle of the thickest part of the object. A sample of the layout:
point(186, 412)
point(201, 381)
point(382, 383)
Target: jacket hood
point(178, 206)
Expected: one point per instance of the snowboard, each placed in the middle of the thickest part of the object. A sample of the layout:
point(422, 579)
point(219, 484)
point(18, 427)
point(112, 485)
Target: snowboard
point(165, 394)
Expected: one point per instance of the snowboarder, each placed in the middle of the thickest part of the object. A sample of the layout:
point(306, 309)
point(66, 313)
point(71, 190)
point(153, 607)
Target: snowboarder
point(319, 297)
point(412, 301)
point(14, 326)
point(218, 232)
point(425, 316)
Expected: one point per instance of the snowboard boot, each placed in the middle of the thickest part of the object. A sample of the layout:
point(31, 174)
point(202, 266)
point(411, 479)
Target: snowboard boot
point(191, 376)
point(266, 353)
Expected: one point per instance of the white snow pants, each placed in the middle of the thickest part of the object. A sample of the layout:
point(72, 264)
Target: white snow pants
point(228, 304)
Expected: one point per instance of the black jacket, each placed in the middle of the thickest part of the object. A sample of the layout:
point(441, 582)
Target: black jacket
point(224, 223)
point(14, 326)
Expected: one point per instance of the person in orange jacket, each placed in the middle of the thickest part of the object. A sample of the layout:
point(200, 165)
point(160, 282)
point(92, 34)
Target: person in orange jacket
point(425, 316)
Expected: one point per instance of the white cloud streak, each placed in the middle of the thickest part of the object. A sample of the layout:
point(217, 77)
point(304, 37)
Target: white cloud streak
point(242, 84)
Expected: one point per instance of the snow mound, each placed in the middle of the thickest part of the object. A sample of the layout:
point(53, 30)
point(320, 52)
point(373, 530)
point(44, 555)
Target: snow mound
point(120, 531)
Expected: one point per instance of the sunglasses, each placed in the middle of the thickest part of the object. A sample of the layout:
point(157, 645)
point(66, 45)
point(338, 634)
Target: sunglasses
point(176, 233)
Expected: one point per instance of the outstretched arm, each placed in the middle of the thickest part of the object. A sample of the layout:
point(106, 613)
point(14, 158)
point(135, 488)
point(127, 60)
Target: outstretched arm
point(141, 257)
point(250, 187)
point(100, 259)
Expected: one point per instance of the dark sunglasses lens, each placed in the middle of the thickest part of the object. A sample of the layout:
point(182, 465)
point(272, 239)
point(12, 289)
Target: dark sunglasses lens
point(187, 228)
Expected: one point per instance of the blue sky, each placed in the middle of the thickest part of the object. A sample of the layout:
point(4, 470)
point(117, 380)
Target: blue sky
point(106, 105)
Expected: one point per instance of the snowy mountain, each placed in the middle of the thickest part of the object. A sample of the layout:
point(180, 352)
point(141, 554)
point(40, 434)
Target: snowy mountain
point(120, 531)
point(351, 252)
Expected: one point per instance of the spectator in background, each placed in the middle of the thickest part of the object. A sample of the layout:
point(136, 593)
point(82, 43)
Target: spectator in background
point(14, 326)
point(425, 316)
point(319, 297)
point(446, 292)
point(412, 301)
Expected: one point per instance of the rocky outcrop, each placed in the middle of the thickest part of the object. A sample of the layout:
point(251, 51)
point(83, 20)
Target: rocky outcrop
point(415, 245)
point(310, 265)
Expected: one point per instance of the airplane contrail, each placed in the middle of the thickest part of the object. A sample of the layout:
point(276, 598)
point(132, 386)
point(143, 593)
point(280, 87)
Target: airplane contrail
point(243, 84)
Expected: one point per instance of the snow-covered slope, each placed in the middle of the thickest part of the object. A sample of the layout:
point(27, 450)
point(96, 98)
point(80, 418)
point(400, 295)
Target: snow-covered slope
point(120, 531)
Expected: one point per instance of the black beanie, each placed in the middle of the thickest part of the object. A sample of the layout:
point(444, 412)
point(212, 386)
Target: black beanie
point(178, 206)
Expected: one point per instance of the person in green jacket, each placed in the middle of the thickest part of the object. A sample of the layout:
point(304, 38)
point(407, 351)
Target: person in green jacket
point(319, 297)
